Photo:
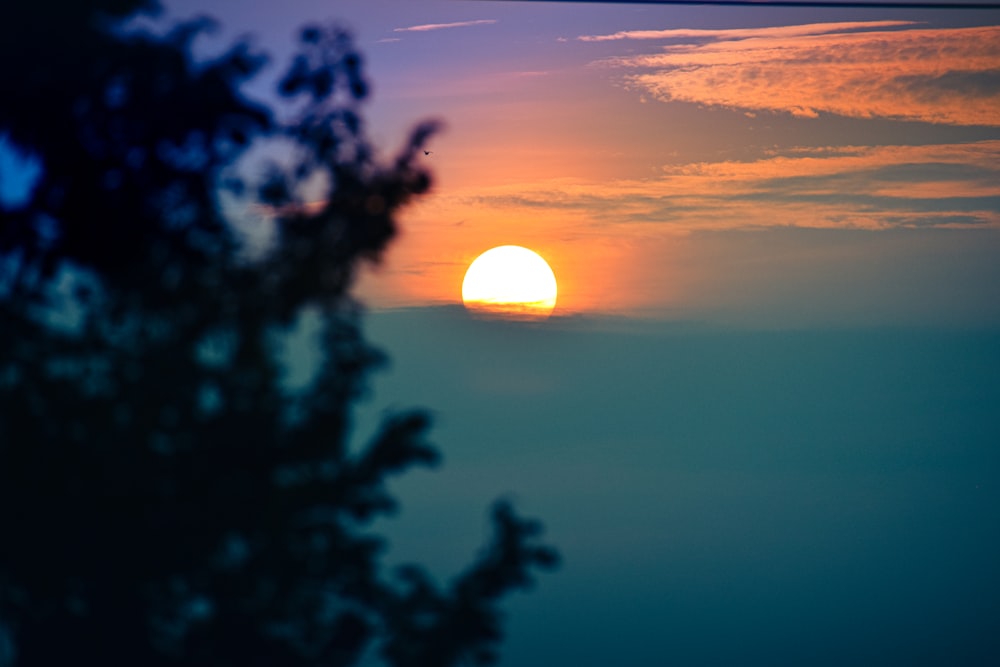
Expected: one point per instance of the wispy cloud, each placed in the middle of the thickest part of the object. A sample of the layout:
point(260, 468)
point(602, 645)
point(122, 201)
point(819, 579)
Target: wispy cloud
point(441, 26)
point(863, 70)
point(856, 187)
point(744, 33)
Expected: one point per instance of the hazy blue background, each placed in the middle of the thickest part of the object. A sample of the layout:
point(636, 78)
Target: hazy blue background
point(721, 496)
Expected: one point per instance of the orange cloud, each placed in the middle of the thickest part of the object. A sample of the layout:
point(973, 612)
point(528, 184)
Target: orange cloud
point(862, 70)
point(868, 165)
point(871, 187)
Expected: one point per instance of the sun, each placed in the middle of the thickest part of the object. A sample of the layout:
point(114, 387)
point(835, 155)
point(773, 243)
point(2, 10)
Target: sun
point(510, 282)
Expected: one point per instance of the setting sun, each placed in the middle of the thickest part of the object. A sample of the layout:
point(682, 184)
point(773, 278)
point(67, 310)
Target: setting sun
point(511, 282)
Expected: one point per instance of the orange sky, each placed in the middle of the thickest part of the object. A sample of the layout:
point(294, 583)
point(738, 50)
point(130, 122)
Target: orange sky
point(651, 153)
point(615, 244)
point(667, 161)
point(610, 156)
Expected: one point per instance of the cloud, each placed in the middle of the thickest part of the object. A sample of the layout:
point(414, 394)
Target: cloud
point(862, 70)
point(441, 26)
point(744, 33)
point(846, 187)
point(866, 162)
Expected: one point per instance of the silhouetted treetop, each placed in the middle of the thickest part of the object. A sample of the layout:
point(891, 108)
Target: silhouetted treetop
point(165, 496)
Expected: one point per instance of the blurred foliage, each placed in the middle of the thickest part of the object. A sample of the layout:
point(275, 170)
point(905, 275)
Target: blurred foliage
point(164, 498)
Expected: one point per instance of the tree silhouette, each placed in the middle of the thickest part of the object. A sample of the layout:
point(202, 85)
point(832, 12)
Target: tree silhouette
point(165, 498)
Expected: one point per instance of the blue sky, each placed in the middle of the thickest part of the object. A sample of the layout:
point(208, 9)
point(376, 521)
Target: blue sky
point(761, 423)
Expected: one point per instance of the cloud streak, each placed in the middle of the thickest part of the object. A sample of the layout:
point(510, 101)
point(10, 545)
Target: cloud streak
point(745, 33)
point(844, 187)
point(861, 70)
point(442, 26)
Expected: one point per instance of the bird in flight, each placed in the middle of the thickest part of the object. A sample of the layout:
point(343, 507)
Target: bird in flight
point(428, 152)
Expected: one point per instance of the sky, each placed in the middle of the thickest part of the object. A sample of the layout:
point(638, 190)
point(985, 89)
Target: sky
point(687, 162)
point(761, 421)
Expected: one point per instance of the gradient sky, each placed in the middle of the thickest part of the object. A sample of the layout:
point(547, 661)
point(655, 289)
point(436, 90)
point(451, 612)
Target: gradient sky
point(677, 161)
point(762, 423)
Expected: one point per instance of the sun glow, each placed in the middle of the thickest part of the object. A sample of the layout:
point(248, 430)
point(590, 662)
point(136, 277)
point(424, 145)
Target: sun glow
point(510, 282)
